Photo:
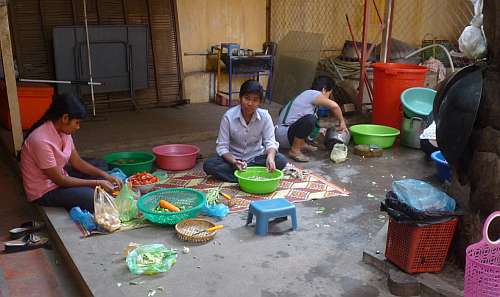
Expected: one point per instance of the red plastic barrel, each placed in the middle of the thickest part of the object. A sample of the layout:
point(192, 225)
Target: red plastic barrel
point(389, 81)
point(34, 100)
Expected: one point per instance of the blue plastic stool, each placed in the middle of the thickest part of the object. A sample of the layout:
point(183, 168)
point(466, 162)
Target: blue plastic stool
point(264, 210)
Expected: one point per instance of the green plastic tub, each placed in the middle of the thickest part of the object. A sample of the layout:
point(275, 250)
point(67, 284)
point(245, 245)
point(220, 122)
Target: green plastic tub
point(257, 180)
point(383, 136)
point(188, 200)
point(131, 162)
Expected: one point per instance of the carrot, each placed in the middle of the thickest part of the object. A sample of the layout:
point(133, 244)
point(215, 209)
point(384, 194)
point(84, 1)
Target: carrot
point(167, 205)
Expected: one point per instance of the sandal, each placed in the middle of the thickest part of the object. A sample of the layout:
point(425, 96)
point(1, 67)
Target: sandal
point(278, 220)
point(26, 228)
point(299, 157)
point(29, 242)
point(309, 148)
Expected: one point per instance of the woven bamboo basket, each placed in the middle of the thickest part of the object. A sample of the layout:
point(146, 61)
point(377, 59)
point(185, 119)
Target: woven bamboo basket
point(186, 230)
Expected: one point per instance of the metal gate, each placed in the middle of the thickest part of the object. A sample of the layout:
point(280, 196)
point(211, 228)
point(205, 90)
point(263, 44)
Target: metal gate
point(413, 21)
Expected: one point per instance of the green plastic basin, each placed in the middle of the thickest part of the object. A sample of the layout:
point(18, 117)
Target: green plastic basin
point(417, 102)
point(257, 180)
point(131, 162)
point(383, 136)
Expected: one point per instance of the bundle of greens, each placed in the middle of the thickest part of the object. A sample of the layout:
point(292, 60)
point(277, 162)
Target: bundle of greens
point(212, 196)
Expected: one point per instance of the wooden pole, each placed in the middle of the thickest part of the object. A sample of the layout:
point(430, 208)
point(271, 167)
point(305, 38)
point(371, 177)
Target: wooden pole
point(386, 34)
point(364, 40)
point(10, 77)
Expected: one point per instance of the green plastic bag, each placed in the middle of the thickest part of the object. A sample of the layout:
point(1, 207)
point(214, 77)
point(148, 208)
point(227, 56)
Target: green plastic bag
point(151, 259)
point(126, 204)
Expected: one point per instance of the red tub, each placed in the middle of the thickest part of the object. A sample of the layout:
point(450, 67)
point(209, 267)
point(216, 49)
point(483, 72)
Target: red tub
point(389, 81)
point(34, 100)
point(176, 156)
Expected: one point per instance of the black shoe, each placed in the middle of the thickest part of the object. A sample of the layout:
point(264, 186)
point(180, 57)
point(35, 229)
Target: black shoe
point(26, 228)
point(29, 242)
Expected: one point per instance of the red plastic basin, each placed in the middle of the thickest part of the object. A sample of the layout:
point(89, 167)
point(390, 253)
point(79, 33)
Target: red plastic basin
point(176, 156)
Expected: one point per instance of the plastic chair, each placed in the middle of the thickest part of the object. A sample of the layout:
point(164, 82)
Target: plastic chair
point(264, 210)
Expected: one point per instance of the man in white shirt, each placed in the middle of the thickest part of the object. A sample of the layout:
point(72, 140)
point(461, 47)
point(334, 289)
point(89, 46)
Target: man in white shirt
point(246, 137)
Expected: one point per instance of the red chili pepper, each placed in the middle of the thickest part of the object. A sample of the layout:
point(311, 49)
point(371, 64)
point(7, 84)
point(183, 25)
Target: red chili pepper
point(143, 179)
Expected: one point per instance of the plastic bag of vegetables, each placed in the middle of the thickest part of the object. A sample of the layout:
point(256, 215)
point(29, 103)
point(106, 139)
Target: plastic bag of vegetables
point(126, 204)
point(151, 259)
point(105, 212)
point(212, 208)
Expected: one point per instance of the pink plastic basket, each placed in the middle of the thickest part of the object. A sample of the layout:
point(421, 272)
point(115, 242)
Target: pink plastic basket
point(482, 269)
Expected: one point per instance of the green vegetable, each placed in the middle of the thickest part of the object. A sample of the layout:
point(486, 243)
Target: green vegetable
point(151, 259)
point(159, 209)
point(212, 196)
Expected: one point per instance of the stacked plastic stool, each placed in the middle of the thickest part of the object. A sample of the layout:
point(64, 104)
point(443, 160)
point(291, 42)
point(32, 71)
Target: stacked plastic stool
point(264, 210)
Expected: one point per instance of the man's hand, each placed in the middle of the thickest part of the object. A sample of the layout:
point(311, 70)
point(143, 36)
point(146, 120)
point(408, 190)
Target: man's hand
point(270, 164)
point(240, 164)
point(342, 127)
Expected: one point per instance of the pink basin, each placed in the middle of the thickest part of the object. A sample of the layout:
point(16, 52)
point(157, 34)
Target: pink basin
point(176, 156)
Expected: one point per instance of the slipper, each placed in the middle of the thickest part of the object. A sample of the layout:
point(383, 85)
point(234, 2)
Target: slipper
point(278, 220)
point(308, 148)
point(26, 228)
point(299, 157)
point(29, 242)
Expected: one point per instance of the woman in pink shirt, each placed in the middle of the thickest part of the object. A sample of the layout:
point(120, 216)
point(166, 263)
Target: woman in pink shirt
point(49, 148)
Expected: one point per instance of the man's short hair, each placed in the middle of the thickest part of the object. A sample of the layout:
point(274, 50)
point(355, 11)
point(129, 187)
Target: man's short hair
point(322, 82)
point(252, 86)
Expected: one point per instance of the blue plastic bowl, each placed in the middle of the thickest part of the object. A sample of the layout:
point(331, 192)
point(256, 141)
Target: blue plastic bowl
point(417, 102)
point(323, 112)
point(443, 170)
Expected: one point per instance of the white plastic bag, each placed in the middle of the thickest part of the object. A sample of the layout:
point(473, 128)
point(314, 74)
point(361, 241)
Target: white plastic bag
point(105, 212)
point(339, 153)
point(472, 42)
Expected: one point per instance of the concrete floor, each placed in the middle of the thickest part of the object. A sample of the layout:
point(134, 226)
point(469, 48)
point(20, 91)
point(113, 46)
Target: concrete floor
point(322, 258)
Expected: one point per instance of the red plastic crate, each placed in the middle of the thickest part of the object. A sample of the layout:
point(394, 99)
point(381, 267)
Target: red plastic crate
point(419, 249)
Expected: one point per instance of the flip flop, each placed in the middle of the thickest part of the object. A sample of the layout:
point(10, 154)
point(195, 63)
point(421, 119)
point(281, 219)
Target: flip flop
point(299, 157)
point(29, 242)
point(26, 228)
point(309, 148)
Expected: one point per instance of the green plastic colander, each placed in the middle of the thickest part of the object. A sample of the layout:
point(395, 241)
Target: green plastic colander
point(188, 200)
point(258, 180)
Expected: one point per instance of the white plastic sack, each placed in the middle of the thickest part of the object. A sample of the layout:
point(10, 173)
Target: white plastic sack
point(472, 41)
point(339, 153)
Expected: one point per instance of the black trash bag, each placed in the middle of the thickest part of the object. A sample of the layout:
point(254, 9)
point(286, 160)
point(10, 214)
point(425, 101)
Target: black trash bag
point(405, 214)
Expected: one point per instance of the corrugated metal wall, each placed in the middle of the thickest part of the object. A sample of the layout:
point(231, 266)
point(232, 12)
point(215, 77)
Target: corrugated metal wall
point(32, 22)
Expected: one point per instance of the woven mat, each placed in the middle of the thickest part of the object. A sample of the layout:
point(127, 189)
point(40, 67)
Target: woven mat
point(311, 187)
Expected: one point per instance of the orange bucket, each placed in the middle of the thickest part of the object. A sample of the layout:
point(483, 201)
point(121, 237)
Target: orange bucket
point(389, 81)
point(34, 100)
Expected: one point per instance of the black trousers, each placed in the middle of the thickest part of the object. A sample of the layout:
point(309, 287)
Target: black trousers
point(427, 147)
point(222, 170)
point(302, 127)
